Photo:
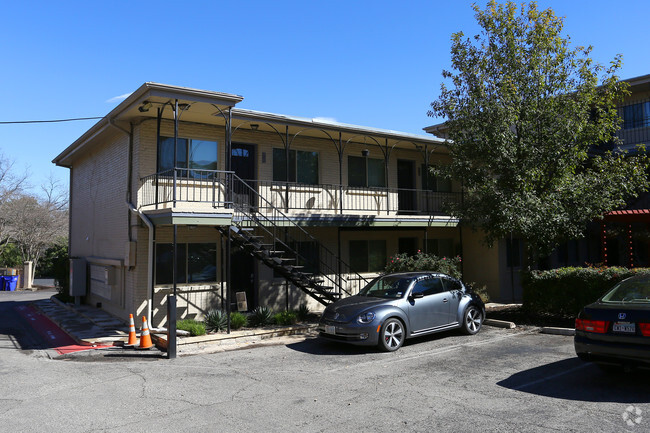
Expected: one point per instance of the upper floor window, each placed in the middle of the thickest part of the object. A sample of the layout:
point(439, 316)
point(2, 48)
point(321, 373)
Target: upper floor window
point(303, 166)
point(366, 172)
point(431, 182)
point(190, 154)
point(636, 115)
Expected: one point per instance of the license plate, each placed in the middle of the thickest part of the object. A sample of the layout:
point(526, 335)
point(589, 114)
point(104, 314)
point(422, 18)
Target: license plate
point(624, 327)
point(329, 329)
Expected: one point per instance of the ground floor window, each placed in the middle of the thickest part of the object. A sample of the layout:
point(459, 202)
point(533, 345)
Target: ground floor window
point(441, 247)
point(368, 256)
point(196, 263)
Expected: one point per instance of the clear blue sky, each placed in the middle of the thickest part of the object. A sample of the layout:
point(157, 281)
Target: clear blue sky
point(372, 63)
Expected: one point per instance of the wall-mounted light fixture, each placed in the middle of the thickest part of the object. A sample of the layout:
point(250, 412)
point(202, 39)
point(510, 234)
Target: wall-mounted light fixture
point(254, 126)
point(365, 153)
point(146, 105)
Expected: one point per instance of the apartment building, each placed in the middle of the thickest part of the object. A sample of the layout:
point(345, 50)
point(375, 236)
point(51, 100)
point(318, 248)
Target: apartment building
point(254, 208)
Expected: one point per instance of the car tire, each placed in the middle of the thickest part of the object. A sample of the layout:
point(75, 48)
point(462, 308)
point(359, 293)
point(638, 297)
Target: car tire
point(472, 320)
point(391, 335)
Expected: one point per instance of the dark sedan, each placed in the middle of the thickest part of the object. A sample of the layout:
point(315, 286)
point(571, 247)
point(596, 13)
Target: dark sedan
point(394, 307)
point(614, 331)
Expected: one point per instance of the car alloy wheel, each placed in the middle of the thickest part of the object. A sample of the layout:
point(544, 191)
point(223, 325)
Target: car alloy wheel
point(472, 320)
point(391, 335)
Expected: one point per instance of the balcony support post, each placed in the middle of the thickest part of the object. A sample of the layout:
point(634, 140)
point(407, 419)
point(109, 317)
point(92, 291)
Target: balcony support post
point(175, 149)
point(159, 120)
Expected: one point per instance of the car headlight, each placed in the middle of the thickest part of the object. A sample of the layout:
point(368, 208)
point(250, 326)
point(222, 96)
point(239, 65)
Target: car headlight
point(366, 317)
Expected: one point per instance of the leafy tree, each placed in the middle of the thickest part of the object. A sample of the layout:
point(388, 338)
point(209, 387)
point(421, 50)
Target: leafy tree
point(530, 120)
point(11, 184)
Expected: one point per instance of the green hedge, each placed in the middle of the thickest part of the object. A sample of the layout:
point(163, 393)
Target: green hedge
point(566, 290)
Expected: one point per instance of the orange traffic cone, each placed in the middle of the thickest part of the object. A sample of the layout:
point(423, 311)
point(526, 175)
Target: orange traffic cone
point(145, 338)
point(133, 339)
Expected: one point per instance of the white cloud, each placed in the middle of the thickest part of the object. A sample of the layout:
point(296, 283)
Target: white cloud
point(325, 119)
point(118, 98)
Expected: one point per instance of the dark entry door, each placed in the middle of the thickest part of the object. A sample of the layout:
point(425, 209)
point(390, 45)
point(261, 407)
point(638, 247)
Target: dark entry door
point(243, 164)
point(242, 278)
point(406, 186)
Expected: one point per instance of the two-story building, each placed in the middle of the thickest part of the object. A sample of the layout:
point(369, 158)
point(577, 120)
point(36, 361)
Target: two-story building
point(283, 210)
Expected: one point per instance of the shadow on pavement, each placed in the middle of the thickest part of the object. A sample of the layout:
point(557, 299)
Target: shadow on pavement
point(573, 379)
point(323, 346)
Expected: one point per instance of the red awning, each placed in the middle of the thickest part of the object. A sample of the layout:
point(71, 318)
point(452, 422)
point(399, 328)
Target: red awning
point(628, 216)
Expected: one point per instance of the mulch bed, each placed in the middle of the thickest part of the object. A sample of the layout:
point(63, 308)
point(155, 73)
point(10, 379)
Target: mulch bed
point(521, 317)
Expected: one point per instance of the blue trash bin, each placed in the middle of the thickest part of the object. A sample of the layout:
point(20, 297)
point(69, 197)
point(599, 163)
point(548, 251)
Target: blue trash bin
point(10, 283)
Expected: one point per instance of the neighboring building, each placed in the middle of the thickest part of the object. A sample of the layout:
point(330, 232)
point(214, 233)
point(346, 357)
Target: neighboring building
point(308, 209)
point(623, 238)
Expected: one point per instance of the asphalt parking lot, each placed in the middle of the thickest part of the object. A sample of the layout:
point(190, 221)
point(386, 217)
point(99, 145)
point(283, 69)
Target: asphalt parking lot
point(497, 381)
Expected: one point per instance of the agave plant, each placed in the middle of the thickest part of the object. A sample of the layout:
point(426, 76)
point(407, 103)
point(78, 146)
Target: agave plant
point(261, 316)
point(303, 312)
point(215, 320)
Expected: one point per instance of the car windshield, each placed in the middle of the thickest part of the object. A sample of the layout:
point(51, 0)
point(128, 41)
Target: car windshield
point(389, 286)
point(632, 290)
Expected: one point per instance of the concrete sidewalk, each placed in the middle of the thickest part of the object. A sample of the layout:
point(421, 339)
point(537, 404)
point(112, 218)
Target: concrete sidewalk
point(90, 326)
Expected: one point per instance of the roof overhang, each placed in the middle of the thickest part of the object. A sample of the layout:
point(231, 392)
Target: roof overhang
point(198, 106)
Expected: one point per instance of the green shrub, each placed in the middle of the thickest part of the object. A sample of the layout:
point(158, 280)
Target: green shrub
point(238, 320)
point(566, 290)
point(424, 262)
point(480, 290)
point(215, 320)
point(303, 312)
point(261, 316)
point(191, 326)
point(286, 318)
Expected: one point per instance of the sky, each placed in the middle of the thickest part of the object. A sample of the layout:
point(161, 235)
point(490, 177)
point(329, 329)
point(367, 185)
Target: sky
point(370, 63)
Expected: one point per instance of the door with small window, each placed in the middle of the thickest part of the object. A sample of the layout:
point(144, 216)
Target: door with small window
point(243, 164)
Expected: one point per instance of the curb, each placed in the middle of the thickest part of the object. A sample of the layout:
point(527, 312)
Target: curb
point(558, 331)
point(499, 323)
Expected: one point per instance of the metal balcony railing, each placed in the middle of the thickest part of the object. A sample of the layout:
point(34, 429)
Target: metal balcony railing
point(209, 186)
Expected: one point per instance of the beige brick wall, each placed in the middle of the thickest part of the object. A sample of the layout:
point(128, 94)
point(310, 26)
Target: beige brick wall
point(98, 212)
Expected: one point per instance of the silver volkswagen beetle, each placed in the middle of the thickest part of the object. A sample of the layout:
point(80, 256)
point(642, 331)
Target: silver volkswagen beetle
point(394, 307)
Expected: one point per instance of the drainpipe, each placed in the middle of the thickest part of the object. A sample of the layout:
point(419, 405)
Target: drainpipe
point(149, 225)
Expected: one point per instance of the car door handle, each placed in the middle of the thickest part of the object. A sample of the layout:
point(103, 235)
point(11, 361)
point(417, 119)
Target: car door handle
point(445, 300)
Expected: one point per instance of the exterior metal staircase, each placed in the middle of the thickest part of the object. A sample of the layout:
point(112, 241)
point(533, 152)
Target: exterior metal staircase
point(280, 243)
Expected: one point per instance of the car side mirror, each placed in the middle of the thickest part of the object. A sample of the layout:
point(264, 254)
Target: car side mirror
point(417, 295)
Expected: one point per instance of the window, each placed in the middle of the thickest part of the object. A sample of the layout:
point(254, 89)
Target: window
point(431, 182)
point(430, 286)
point(408, 246)
point(367, 256)
point(440, 247)
point(190, 154)
point(303, 166)
point(366, 172)
point(309, 256)
point(451, 285)
point(195, 263)
point(636, 115)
